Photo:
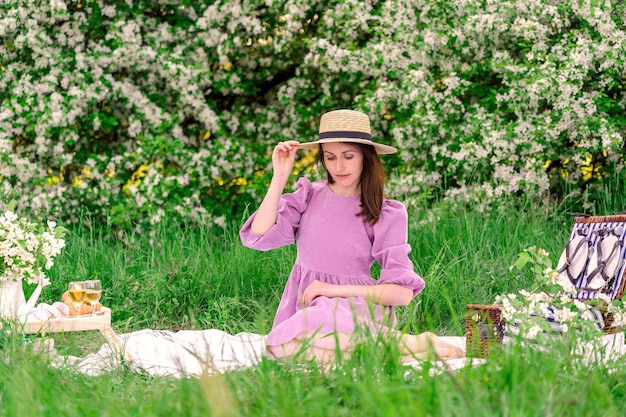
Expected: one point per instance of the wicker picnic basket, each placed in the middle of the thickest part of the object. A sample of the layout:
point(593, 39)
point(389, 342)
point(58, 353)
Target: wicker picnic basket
point(484, 329)
point(485, 326)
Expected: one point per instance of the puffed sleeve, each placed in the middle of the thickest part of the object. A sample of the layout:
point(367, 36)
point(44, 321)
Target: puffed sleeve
point(391, 249)
point(290, 209)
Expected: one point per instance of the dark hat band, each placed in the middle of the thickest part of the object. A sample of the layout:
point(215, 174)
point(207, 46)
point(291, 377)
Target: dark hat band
point(345, 134)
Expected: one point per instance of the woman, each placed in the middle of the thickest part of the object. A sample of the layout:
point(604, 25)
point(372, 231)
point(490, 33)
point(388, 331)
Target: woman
point(341, 226)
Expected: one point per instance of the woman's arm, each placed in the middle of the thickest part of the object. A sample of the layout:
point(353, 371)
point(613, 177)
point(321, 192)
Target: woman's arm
point(383, 294)
point(283, 158)
point(391, 249)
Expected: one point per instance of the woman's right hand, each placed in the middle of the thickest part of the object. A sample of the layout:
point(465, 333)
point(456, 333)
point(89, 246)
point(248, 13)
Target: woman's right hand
point(283, 158)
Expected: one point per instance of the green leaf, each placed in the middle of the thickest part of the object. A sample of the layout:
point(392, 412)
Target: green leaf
point(521, 262)
point(538, 269)
point(60, 232)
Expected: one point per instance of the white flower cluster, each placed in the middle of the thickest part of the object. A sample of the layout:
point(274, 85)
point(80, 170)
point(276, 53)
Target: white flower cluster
point(553, 302)
point(27, 249)
point(484, 99)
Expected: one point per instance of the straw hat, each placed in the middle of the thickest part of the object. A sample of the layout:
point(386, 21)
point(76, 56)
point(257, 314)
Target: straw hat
point(347, 126)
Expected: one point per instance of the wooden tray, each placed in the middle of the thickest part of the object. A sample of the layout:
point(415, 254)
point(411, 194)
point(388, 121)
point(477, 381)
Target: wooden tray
point(101, 321)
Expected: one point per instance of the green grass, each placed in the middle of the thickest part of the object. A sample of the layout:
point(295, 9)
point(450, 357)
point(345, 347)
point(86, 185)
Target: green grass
point(197, 278)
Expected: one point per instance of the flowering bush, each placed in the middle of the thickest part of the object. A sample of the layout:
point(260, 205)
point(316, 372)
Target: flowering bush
point(551, 300)
point(138, 109)
point(26, 248)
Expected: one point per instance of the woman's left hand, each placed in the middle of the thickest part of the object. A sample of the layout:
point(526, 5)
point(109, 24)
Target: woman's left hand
point(316, 289)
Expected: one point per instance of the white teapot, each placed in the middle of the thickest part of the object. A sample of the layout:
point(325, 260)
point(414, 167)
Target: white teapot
point(13, 304)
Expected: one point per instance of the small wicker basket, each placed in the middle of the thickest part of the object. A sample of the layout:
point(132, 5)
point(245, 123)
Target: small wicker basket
point(484, 329)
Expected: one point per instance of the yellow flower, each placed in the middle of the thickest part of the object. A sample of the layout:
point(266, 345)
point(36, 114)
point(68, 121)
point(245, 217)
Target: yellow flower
point(135, 178)
point(204, 136)
point(140, 172)
point(306, 163)
point(547, 164)
point(588, 169)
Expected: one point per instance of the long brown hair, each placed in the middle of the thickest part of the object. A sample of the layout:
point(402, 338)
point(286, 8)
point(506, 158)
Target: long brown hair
point(372, 182)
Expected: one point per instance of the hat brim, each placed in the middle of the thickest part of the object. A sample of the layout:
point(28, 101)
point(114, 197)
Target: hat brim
point(379, 147)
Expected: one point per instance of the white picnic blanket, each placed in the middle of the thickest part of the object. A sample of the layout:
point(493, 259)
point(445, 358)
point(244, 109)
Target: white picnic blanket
point(179, 354)
point(189, 353)
point(194, 352)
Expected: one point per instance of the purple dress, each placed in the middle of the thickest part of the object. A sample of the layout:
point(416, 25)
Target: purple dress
point(334, 246)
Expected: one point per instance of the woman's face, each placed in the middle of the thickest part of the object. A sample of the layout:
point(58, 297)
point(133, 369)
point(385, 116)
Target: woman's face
point(344, 162)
